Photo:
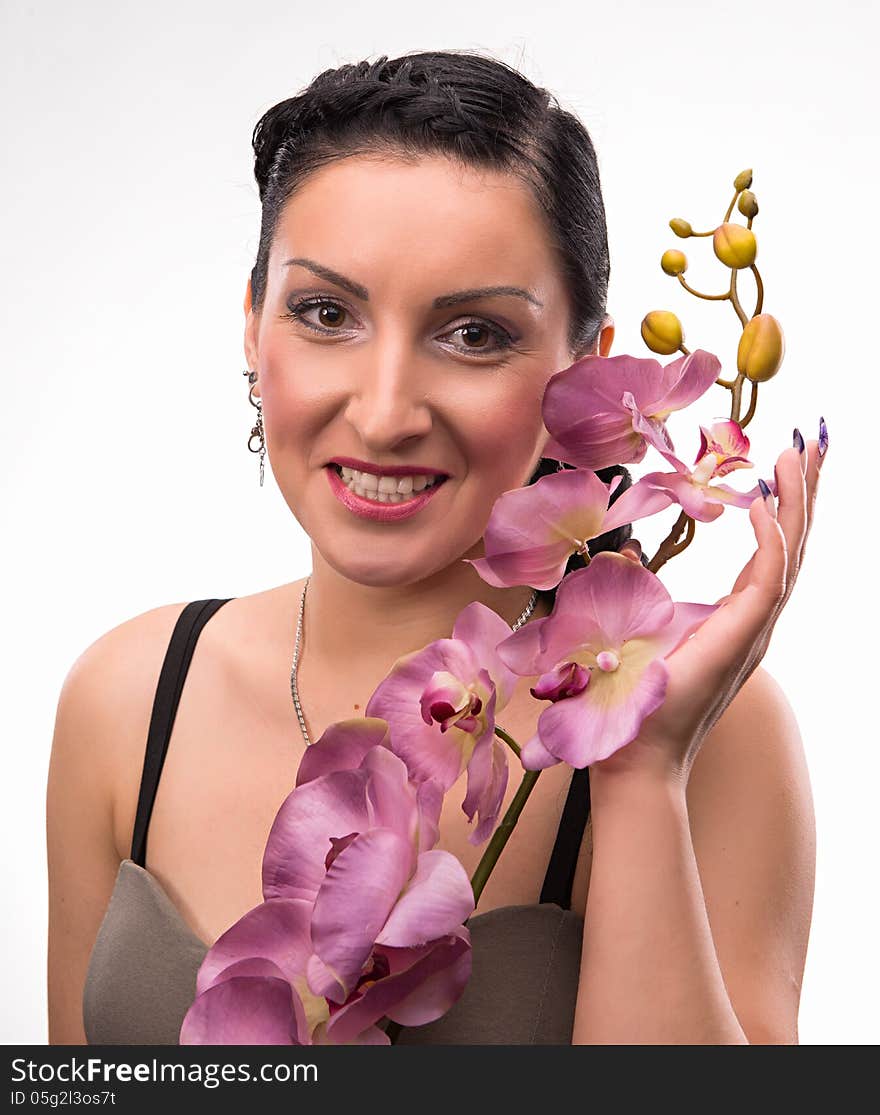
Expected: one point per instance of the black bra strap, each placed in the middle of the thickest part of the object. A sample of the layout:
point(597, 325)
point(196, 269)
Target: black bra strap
point(563, 859)
point(177, 659)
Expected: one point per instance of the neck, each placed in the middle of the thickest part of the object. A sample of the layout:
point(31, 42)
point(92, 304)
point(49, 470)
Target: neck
point(381, 623)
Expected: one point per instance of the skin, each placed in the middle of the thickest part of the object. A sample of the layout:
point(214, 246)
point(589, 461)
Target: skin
point(695, 877)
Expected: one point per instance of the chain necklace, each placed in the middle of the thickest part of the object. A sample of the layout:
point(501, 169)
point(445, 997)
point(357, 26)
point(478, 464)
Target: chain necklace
point(527, 611)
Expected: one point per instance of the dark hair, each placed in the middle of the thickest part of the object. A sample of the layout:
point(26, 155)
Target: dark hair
point(471, 108)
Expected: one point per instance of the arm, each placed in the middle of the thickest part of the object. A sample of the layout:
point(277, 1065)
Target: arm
point(701, 893)
point(82, 859)
point(97, 754)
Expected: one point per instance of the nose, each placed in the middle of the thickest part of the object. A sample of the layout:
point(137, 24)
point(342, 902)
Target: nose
point(388, 404)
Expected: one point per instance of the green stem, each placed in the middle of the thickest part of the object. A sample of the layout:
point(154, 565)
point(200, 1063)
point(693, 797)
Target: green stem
point(502, 833)
point(508, 739)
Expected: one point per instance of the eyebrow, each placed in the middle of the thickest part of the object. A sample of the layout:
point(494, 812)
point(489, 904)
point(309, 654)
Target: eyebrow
point(360, 291)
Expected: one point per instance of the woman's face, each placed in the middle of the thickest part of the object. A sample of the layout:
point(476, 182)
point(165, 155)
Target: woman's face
point(375, 342)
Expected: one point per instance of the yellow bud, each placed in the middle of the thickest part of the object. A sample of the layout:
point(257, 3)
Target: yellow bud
point(734, 245)
point(681, 227)
point(743, 180)
point(747, 204)
point(673, 262)
point(761, 348)
point(662, 332)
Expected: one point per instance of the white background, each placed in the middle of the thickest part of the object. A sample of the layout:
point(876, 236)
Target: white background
point(129, 224)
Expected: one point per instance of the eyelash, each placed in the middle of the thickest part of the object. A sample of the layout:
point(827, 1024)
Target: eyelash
point(296, 312)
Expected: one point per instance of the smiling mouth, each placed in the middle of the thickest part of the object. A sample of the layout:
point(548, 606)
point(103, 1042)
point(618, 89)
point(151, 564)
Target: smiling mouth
point(413, 486)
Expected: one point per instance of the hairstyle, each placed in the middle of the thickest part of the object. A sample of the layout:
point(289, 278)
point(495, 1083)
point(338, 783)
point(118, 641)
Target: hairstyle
point(476, 110)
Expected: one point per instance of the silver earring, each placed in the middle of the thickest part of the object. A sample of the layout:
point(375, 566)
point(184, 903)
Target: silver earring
point(257, 431)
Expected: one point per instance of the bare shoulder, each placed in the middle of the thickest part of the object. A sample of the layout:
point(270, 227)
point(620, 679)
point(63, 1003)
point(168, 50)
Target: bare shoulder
point(752, 822)
point(103, 706)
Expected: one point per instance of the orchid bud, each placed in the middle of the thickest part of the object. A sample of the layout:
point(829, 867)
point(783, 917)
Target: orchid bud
point(674, 262)
point(734, 245)
point(761, 348)
point(681, 227)
point(662, 332)
point(743, 180)
point(747, 204)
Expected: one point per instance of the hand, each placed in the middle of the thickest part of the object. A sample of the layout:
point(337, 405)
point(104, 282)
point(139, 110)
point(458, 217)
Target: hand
point(708, 670)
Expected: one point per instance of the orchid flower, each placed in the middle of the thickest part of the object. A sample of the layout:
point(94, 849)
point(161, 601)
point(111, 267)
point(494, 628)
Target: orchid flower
point(606, 410)
point(362, 917)
point(440, 704)
point(723, 448)
point(599, 657)
point(532, 531)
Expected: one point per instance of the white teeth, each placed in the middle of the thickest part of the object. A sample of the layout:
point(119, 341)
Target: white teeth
point(384, 489)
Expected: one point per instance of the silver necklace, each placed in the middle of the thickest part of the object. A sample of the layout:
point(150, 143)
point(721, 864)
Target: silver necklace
point(527, 611)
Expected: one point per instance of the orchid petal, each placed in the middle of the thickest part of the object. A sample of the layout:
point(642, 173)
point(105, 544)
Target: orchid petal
point(482, 630)
point(342, 747)
point(608, 714)
point(349, 915)
point(435, 901)
point(621, 597)
point(685, 380)
point(427, 752)
point(241, 1011)
point(276, 932)
point(293, 861)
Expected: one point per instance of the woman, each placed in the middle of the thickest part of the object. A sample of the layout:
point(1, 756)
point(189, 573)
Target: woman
point(433, 248)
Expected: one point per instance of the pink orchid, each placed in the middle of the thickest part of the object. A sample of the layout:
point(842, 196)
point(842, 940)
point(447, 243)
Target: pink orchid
point(600, 659)
point(362, 917)
point(606, 410)
point(723, 448)
point(532, 531)
point(440, 704)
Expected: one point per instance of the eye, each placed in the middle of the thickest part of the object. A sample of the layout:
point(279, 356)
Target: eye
point(472, 331)
point(331, 315)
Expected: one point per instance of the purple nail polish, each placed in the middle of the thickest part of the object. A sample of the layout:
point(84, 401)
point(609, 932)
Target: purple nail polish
point(769, 501)
point(797, 440)
point(823, 437)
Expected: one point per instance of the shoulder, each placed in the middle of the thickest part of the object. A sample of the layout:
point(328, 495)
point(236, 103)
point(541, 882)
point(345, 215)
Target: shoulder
point(755, 747)
point(751, 817)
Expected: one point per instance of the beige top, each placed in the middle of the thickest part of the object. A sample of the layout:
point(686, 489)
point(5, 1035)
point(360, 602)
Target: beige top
point(142, 970)
point(142, 974)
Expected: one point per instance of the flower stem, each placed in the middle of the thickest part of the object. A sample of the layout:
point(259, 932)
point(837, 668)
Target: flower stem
point(508, 739)
point(753, 402)
point(502, 833)
point(759, 305)
point(699, 294)
point(672, 543)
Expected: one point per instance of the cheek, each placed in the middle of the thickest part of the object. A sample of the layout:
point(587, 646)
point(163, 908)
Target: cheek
point(505, 438)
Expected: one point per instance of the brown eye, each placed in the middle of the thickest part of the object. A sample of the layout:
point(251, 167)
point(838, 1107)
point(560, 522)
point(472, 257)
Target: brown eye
point(330, 314)
point(481, 337)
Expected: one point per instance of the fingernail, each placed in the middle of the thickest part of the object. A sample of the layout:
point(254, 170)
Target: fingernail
point(768, 497)
point(823, 438)
point(797, 440)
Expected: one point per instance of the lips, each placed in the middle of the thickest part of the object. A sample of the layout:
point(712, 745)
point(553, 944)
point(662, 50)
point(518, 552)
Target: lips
point(372, 509)
point(388, 470)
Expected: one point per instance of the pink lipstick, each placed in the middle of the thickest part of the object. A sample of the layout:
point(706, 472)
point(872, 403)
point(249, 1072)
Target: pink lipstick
point(371, 508)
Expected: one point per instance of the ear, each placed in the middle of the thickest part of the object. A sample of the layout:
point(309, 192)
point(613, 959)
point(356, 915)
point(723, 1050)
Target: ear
point(606, 335)
point(251, 323)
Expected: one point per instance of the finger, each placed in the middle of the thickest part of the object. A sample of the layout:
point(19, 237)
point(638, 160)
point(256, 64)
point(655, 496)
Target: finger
point(728, 641)
point(792, 509)
point(814, 464)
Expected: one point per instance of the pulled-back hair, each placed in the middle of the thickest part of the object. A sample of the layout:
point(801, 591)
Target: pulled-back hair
point(473, 109)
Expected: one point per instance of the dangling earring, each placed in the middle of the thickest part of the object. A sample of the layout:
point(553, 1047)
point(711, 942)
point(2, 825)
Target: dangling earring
point(257, 431)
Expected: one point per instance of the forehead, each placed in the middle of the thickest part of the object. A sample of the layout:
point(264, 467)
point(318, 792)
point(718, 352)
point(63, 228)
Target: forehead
point(429, 221)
